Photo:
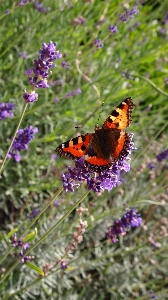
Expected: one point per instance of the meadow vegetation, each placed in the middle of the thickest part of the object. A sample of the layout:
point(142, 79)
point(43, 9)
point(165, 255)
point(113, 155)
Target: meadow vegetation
point(82, 241)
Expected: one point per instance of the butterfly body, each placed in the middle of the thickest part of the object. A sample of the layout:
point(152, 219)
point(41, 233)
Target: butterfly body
point(106, 145)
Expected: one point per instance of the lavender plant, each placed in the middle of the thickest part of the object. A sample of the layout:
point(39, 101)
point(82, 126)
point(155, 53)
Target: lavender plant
point(46, 249)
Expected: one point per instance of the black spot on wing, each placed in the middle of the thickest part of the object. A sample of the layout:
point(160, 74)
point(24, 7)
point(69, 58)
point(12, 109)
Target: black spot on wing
point(121, 106)
point(66, 144)
point(83, 138)
point(83, 147)
point(75, 141)
point(115, 113)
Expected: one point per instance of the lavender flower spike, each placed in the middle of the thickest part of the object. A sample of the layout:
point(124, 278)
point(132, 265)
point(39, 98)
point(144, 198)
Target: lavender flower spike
point(24, 136)
point(6, 110)
point(130, 219)
point(74, 93)
point(30, 97)
point(162, 155)
point(47, 55)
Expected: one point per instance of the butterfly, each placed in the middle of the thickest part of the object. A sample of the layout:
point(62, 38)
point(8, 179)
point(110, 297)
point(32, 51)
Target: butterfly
point(106, 145)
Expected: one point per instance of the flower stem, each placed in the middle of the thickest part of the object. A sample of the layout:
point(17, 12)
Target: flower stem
point(58, 223)
point(151, 83)
point(33, 221)
point(47, 233)
point(10, 146)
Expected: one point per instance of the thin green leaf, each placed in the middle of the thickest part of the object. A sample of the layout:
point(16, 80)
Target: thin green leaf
point(11, 233)
point(35, 268)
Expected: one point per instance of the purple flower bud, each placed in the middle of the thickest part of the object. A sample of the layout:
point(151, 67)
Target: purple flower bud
point(162, 155)
point(6, 110)
point(56, 99)
point(53, 156)
point(25, 246)
point(23, 138)
point(124, 18)
point(30, 97)
point(65, 65)
point(74, 93)
point(99, 43)
point(7, 12)
point(113, 28)
point(33, 213)
point(23, 54)
point(135, 10)
point(130, 219)
point(41, 8)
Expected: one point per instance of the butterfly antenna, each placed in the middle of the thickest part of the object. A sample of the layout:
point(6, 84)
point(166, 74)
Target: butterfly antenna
point(97, 126)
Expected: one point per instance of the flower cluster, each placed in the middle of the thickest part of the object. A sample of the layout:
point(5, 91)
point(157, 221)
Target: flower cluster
point(74, 93)
point(41, 8)
point(48, 54)
point(25, 2)
point(56, 82)
point(162, 155)
point(98, 43)
point(129, 14)
point(130, 219)
point(113, 29)
point(24, 136)
point(6, 110)
point(80, 20)
point(23, 54)
point(19, 243)
point(65, 64)
point(152, 295)
point(33, 214)
point(96, 181)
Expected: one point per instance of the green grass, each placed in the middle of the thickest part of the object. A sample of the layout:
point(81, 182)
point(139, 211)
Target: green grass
point(137, 264)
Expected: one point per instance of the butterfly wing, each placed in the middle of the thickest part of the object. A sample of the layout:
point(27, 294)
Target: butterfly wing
point(120, 118)
point(107, 147)
point(74, 148)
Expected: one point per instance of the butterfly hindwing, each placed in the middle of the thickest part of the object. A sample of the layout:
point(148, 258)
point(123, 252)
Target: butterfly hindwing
point(120, 118)
point(106, 147)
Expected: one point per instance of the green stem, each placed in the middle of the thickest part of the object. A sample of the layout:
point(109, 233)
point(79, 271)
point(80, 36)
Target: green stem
point(58, 223)
point(33, 221)
point(46, 234)
point(151, 83)
point(10, 146)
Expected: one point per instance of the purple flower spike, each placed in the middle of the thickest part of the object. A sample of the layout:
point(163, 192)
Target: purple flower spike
point(23, 54)
point(97, 181)
point(74, 93)
point(99, 43)
point(162, 155)
point(48, 54)
point(41, 8)
point(24, 136)
point(130, 219)
point(6, 110)
point(124, 18)
point(30, 97)
point(7, 12)
point(33, 213)
point(65, 65)
point(113, 28)
point(135, 10)
point(129, 14)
